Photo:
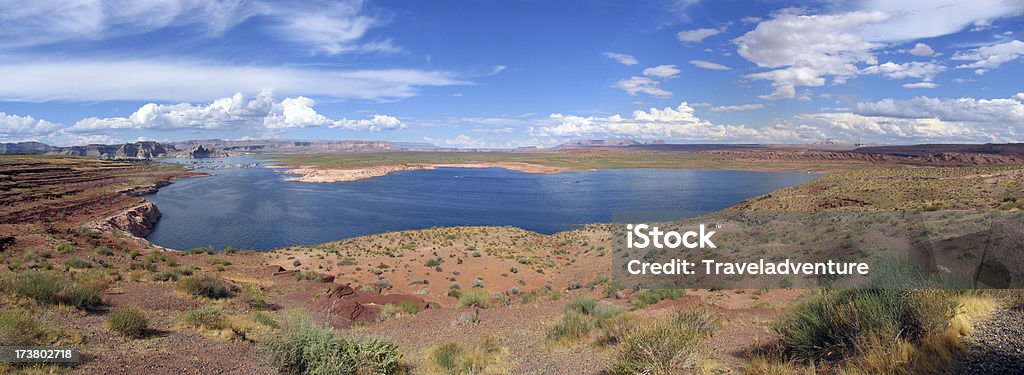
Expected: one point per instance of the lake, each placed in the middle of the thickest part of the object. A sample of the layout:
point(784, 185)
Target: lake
point(254, 208)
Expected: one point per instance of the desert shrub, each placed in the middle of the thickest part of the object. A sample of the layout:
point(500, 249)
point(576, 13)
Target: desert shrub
point(77, 262)
point(58, 289)
point(174, 274)
point(305, 348)
point(103, 250)
point(475, 297)
point(253, 296)
point(452, 358)
point(663, 346)
point(649, 297)
point(701, 320)
point(19, 329)
point(204, 286)
point(573, 326)
point(393, 310)
point(129, 322)
point(265, 320)
point(582, 304)
point(198, 250)
point(830, 325)
point(309, 276)
point(206, 318)
point(433, 262)
point(66, 248)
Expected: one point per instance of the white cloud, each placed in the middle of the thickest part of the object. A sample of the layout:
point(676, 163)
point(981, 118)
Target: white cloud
point(919, 19)
point(696, 36)
point(43, 22)
point(709, 65)
point(144, 80)
point(642, 85)
point(851, 126)
point(330, 27)
point(991, 56)
point(662, 71)
point(999, 112)
point(750, 20)
point(678, 123)
point(498, 69)
point(921, 49)
point(462, 141)
point(914, 69)
point(12, 125)
point(920, 85)
point(623, 59)
point(235, 112)
point(736, 108)
point(803, 49)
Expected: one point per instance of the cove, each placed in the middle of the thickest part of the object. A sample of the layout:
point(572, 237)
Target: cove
point(254, 208)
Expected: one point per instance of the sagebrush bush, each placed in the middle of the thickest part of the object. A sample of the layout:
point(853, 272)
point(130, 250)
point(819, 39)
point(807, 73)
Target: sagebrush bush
point(58, 289)
point(206, 318)
point(573, 326)
point(305, 348)
point(204, 286)
point(649, 297)
point(19, 329)
point(174, 274)
point(129, 322)
point(453, 358)
point(476, 297)
point(831, 324)
point(663, 346)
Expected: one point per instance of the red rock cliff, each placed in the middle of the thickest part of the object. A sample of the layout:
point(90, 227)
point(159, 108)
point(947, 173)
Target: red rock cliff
point(138, 220)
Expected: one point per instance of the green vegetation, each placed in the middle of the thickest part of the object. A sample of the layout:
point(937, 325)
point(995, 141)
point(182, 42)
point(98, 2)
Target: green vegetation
point(649, 297)
point(831, 325)
point(206, 318)
point(476, 297)
point(665, 346)
point(393, 310)
point(204, 286)
point(174, 274)
point(582, 316)
point(453, 358)
point(19, 329)
point(57, 288)
point(129, 322)
point(305, 348)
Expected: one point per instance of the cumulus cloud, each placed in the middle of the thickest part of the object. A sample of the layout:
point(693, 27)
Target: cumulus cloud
point(921, 49)
point(188, 80)
point(736, 108)
point(642, 85)
point(623, 59)
point(678, 123)
point(925, 119)
point(235, 112)
point(696, 36)
point(15, 125)
point(846, 125)
point(709, 65)
point(804, 49)
point(925, 71)
point(662, 71)
point(991, 56)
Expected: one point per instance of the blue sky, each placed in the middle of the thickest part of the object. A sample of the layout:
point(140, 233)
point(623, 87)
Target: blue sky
point(513, 73)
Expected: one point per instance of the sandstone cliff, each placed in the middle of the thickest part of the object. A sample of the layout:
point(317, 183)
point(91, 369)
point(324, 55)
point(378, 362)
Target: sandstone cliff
point(138, 220)
point(202, 152)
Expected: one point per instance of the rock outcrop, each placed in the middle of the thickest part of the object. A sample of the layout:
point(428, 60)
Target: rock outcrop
point(138, 220)
point(351, 305)
point(202, 152)
point(131, 151)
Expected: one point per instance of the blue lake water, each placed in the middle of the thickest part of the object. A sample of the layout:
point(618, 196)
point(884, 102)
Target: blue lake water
point(254, 208)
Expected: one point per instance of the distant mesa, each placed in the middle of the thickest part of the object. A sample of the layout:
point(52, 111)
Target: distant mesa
point(202, 152)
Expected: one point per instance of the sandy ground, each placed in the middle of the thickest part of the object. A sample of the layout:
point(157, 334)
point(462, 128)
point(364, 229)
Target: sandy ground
point(314, 174)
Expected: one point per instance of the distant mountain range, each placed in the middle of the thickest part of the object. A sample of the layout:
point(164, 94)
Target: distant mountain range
point(219, 147)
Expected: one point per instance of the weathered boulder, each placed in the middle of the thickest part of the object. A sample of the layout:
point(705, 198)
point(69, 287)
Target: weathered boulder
point(138, 220)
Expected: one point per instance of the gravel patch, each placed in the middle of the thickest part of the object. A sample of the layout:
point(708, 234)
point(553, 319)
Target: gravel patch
point(997, 345)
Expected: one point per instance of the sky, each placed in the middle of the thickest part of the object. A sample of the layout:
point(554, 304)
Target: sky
point(503, 74)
